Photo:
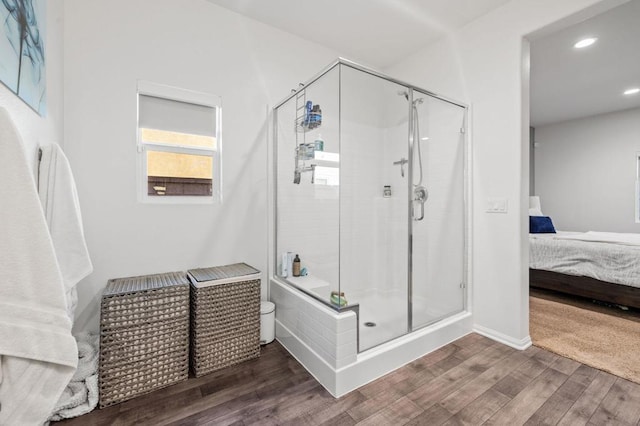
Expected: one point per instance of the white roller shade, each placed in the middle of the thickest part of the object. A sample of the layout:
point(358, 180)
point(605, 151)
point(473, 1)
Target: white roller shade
point(176, 116)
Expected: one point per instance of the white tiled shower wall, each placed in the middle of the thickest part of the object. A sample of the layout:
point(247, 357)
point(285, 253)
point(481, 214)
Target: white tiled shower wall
point(352, 230)
point(375, 135)
point(373, 241)
point(307, 214)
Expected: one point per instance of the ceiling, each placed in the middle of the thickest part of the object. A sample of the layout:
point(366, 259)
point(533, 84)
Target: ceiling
point(566, 83)
point(569, 83)
point(377, 32)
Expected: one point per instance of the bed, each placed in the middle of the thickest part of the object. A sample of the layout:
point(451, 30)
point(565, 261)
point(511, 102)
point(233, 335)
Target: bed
point(596, 265)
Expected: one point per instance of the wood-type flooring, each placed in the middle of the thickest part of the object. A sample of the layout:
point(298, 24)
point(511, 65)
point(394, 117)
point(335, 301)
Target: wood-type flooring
point(472, 381)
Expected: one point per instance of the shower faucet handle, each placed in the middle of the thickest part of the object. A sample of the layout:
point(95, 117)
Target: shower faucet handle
point(420, 195)
point(415, 218)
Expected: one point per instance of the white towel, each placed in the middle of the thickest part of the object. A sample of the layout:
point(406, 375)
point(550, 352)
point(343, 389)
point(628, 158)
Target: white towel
point(37, 351)
point(59, 200)
point(81, 395)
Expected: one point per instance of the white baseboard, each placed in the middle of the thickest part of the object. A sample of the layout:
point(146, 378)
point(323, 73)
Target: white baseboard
point(521, 344)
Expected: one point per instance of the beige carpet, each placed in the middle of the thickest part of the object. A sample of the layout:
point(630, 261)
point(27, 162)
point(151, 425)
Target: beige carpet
point(603, 337)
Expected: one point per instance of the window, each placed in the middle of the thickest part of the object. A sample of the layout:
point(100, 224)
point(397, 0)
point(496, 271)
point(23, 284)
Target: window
point(178, 145)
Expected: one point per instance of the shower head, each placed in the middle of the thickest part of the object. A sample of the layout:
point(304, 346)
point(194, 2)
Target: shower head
point(296, 176)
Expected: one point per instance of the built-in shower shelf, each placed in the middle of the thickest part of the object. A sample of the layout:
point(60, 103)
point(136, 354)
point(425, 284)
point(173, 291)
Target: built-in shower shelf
point(325, 158)
point(309, 282)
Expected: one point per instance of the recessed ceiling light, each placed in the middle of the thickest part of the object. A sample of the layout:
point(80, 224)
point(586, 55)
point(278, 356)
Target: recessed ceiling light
point(632, 91)
point(585, 42)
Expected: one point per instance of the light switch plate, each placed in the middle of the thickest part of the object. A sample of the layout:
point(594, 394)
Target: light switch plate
point(497, 205)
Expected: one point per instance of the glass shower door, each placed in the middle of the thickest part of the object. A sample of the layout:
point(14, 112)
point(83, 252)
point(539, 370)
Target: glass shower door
point(374, 182)
point(438, 225)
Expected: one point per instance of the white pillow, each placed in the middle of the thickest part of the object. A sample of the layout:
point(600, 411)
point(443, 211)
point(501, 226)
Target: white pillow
point(535, 209)
point(535, 212)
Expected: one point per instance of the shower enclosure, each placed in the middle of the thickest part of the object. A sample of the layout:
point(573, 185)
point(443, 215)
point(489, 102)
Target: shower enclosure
point(370, 189)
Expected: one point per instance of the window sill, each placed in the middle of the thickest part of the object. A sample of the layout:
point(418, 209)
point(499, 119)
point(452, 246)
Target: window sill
point(177, 200)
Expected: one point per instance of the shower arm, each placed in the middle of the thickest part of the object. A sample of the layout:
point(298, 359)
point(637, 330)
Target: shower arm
point(401, 162)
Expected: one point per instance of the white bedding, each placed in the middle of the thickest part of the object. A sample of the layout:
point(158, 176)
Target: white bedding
point(602, 237)
point(585, 254)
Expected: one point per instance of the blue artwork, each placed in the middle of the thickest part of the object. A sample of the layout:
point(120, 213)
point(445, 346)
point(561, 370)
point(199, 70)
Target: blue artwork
point(22, 67)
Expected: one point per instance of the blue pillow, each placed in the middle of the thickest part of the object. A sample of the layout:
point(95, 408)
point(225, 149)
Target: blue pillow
point(541, 225)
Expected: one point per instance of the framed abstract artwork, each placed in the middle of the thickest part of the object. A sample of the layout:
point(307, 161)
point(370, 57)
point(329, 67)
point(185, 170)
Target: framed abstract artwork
point(22, 58)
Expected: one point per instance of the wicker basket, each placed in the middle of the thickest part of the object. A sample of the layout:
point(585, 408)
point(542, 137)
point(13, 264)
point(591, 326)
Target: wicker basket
point(225, 316)
point(144, 335)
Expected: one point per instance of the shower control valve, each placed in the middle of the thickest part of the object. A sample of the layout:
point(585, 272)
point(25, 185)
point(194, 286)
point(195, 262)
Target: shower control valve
point(420, 195)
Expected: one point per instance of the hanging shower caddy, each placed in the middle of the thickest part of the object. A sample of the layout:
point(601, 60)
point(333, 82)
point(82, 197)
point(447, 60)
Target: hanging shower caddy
point(308, 117)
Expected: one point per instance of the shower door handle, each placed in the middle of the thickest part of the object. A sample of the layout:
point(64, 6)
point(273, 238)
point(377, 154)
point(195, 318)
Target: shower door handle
point(420, 195)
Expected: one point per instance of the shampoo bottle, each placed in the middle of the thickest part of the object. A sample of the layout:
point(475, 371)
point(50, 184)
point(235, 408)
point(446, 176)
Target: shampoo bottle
point(307, 115)
point(316, 118)
point(296, 266)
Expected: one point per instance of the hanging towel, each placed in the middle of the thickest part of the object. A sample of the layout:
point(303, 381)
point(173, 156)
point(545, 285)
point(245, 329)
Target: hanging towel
point(61, 207)
point(38, 354)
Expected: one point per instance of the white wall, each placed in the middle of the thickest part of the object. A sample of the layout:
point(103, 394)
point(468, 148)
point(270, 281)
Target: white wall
point(586, 171)
point(483, 64)
point(193, 44)
point(36, 130)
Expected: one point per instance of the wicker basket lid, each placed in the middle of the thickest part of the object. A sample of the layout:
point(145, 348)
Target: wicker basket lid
point(226, 273)
point(144, 282)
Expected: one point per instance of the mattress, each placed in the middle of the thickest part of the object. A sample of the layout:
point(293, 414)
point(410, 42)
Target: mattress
point(569, 253)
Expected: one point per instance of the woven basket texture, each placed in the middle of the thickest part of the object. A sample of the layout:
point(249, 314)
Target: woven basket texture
point(225, 325)
point(144, 336)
